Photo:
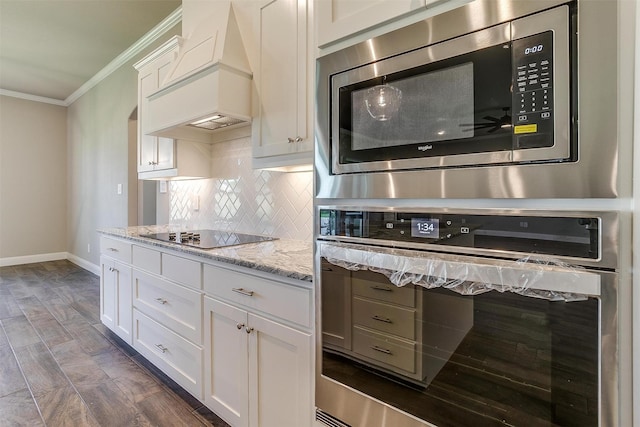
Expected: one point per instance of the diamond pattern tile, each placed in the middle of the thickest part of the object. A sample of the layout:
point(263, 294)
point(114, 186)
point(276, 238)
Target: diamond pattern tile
point(241, 199)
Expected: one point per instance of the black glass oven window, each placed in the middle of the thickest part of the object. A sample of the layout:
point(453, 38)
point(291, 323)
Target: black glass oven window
point(493, 359)
point(421, 114)
point(459, 105)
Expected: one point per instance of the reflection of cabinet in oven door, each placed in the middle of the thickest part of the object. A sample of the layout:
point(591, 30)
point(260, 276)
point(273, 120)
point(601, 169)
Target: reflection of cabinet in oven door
point(336, 307)
point(406, 330)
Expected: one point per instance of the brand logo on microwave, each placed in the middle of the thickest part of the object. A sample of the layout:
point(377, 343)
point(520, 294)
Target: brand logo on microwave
point(425, 147)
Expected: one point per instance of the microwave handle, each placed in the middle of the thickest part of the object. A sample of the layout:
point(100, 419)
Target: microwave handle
point(407, 265)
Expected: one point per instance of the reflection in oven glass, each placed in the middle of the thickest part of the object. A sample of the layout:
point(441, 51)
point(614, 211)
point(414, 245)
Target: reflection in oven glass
point(453, 360)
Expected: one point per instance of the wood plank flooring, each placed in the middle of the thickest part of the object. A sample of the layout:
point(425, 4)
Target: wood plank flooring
point(59, 366)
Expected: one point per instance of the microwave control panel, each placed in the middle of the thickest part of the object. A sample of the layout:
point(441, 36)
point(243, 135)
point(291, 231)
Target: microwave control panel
point(533, 91)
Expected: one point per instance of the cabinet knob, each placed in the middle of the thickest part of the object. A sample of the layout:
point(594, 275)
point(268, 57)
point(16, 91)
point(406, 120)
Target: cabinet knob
point(162, 348)
point(240, 325)
point(298, 139)
point(161, 301)
point(248, 329)
point(291, 140)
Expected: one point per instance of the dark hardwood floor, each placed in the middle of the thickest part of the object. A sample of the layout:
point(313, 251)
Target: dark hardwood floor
point(59, 366)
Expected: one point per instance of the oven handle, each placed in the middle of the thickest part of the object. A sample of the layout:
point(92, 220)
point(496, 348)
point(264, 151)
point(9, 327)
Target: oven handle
point(466, 274)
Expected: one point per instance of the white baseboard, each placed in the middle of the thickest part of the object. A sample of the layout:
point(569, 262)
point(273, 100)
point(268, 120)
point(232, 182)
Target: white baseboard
point(95, 269)
point(30, 259)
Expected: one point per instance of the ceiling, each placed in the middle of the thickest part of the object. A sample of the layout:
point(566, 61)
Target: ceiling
point(51, 48)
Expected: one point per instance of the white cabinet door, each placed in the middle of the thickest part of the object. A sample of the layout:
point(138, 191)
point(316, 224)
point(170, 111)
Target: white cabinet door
point(154, 153)
point(226, 360)
point(280, 373)
point(281, 127)
point(115, 297)
point(107, 292)
point(339, 19)
point(257, 371)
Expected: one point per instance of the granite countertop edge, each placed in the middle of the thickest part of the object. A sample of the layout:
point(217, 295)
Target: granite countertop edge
point(282, 257)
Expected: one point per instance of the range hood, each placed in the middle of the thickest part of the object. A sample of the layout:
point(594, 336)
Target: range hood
point(208, 85)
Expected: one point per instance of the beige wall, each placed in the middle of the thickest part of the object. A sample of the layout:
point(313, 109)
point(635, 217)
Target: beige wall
point(33, 179)
point(98, 152)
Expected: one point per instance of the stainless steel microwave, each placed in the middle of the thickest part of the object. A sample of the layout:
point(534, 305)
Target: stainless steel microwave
point(485, 101)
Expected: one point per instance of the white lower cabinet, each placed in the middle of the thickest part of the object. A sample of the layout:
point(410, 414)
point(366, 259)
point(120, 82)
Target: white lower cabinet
point(176, 356)
point(239, 341)
point(115, 297)
point(175, 306)
point(257, 371)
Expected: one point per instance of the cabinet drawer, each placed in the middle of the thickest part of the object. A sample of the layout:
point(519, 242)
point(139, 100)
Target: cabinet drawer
point(174, 306)
point(182, 270)
point(279, 299)
point(374, 285)
point(390, 319)
point(146, 259)
point(394, 352)
point(174, 355)
point(115, 248)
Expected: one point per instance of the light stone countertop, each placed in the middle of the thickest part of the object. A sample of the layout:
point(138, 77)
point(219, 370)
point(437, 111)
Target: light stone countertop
point(282, 257)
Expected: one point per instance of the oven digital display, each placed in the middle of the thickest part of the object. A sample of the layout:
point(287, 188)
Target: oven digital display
point(425, 227)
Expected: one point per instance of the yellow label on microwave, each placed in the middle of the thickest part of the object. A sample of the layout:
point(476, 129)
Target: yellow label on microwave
point(525, 129)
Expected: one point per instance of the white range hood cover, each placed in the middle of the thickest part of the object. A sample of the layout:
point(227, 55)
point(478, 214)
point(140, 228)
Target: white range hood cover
point(208, 86)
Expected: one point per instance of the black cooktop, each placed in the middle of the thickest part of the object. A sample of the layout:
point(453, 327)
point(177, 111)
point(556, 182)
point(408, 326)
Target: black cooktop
point(207, 239)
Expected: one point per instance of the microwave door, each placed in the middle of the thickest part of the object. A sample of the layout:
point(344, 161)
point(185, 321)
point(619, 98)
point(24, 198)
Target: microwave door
point(453, 104)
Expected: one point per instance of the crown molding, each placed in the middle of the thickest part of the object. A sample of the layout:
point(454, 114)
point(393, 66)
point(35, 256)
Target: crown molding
point(164, 26)
point(35, 98)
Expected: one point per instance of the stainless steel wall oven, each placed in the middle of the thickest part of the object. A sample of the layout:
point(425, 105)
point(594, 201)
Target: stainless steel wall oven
point(466, 318)
point(495, 99)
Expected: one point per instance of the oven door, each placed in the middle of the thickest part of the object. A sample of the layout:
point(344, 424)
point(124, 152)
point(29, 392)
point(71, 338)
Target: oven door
point(496, 96)
point(411, 338)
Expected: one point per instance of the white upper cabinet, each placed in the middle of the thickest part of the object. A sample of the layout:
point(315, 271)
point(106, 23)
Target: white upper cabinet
point(340, 20)
point(282, 109)
point(154, 153)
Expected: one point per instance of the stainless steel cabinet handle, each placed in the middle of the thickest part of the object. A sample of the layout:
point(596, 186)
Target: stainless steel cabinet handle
point(162, 348)
point(381, 288)
point(381, 319)
point(381, 350)
point(298, 139)
point(162, 301)
point(112, 249)
point(248, 329)
point(243, 291)
point(113, 269)
point(240, 325)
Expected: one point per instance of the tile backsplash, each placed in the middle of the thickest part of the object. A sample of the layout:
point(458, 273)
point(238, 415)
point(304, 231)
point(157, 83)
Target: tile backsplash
point(241, 199)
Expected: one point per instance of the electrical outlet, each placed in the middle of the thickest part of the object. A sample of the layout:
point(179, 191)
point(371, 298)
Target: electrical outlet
point(119, 188)
point(89, 248)
point(195, 202)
